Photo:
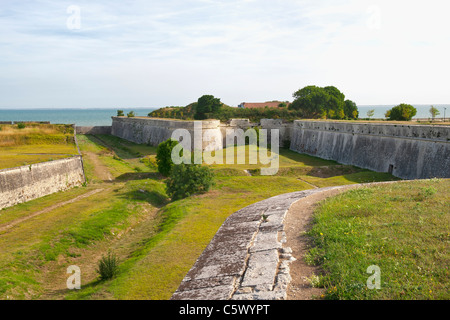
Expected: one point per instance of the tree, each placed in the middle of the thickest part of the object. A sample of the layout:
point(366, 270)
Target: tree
point(350, 110)
point(130, 114)
point(120, 113)
point(164, 156)
point(402, 112)
point(188, 179)
point(336, 103)
point(317, 102)
point(311, 100)
point(207, 104)
point(434, 112)
point(370, 113)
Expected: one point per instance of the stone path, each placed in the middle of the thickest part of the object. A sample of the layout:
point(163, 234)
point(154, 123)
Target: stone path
point(246, 259)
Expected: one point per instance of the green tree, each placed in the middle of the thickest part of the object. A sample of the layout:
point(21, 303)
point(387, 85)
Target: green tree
point(120, 113)
point(164, 156)
point(370, 113)
point(207, 104)
point(317, 102)
point(312, 101)
point(188, 179)
point(130, 114)
point(335, 104)
point(402, 112)
point(350, 110)
point(434, 112)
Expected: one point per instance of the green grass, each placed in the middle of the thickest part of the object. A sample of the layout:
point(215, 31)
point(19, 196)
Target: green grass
point(402, 228)
point(159, 240)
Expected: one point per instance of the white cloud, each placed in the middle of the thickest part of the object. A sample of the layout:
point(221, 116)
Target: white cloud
point(154, 53)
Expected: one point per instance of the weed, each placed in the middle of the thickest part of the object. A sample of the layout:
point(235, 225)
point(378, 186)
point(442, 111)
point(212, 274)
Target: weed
point(108, 267)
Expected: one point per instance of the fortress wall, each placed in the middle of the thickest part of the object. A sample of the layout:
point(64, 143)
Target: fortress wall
point(29, 182)
point(153, 131)
point(94, 130)
point(407, 151)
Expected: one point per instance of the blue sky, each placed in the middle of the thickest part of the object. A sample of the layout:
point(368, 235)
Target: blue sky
point(157, 53)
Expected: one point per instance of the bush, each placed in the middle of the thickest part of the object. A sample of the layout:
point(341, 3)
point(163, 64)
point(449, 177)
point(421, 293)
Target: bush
point(164, 156)
point(120, 113)
point(21, 125)
point(130, 114)
point(402, 112)
point(188, 179)
point(108, 267)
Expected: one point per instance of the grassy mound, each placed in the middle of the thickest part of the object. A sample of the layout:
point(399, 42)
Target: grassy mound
point(401, 228)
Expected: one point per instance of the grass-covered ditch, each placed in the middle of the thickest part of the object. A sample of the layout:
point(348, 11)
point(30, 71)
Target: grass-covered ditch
point(156, 240)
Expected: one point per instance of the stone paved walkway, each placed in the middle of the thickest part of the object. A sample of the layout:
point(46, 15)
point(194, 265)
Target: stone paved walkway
point(246, 260)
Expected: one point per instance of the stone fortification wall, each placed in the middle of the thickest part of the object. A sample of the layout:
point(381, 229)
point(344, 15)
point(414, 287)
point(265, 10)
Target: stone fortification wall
point(153, 131)
point(93, 130)
point(406, 151)
point(268, 124)
point(29, 182)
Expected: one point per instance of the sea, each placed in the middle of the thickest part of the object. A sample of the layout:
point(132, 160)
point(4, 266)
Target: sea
point(102, 117)
point(79, 117)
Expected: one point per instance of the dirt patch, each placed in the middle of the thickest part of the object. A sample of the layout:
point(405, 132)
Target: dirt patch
point(298, 221)
point(100, 170)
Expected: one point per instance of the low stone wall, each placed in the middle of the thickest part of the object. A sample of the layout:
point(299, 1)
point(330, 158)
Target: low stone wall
point(93, 130)
point(406, 151)
point(26, 183)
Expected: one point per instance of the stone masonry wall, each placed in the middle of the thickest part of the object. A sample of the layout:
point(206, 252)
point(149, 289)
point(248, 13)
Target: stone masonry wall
point(407, 151)
point(153, 131)
point(94, 130)
point(29, 182)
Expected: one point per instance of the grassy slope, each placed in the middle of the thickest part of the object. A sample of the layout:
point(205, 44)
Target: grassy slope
point(157, 241)
point(402, 228)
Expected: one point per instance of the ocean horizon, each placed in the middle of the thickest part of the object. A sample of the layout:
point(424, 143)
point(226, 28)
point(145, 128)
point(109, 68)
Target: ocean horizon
point(102, 116)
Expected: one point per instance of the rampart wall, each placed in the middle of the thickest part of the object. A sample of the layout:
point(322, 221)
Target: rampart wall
point(406, 151)
point(153, 131)
point(94, 130)
point(29, 182)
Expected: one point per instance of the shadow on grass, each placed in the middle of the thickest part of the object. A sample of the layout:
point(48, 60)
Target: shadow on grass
point(156, 198)
point(305, 158)
point(140, 176)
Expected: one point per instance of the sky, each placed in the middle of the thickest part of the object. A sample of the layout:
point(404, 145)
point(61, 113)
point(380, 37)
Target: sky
point(152, 53)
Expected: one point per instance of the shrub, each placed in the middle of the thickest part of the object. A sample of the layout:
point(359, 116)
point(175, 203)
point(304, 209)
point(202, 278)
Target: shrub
point(188, 179)
point(120, 113)
point(21, 125)
point(164, 156)
point(402, 112)
point(130, 114)
point(108, 267)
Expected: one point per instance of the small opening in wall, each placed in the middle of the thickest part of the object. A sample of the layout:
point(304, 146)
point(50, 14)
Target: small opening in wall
point(391, 168)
